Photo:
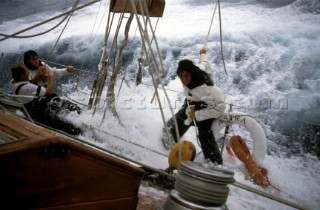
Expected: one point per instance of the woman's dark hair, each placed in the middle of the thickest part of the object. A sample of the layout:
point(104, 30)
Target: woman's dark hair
point(26, 57)
point(196, 73)
point(17, 71)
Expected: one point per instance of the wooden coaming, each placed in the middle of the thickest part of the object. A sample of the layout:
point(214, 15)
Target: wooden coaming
point(45, 170)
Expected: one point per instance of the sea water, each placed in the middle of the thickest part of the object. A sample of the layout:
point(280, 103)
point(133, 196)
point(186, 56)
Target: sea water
point(272, 72)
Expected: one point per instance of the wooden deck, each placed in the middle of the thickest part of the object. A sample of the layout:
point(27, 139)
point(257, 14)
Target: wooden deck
point(42, 169)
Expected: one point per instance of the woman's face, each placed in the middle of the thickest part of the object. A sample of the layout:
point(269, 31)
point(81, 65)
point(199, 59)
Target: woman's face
point(34, 60)
point(185, 77)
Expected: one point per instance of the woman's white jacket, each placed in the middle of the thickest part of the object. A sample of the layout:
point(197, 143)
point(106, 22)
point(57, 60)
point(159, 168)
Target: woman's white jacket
point(213, 96)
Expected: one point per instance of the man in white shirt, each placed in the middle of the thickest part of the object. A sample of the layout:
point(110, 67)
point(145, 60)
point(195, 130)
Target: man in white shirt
point(20, 76)
point(36, 100)
point(39, 70)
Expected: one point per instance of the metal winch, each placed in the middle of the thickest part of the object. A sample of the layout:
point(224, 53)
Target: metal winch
point(200, 186)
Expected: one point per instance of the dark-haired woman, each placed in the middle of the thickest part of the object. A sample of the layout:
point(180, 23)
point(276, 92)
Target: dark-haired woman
point(207, 102)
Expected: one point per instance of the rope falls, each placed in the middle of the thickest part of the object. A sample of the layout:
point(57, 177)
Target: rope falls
point(68, 17)
point(221, 45)
point(217, 5)
point(150, 49)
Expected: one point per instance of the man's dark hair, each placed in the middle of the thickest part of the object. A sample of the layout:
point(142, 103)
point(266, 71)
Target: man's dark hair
point(27, 55)
point(17, 71)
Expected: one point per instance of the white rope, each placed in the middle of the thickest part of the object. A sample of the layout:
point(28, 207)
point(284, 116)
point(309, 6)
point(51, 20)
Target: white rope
point(46, 21)
point(110, 94)
point(65, 66)
point(146, 40)
point(38, 34)
point(156, 84)
point(226, 131)
point(65, 26)
point(214, 12)
point(102, 69)
point(221, 45)
point(194, 123)
point(90, 49)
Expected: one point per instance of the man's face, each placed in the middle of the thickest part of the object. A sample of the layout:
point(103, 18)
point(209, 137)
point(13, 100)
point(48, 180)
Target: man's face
point(185, 77)
point(26, 73)
point(34, 60)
